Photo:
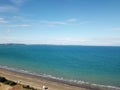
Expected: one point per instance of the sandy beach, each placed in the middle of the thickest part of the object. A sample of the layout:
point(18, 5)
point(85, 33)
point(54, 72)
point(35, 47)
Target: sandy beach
point(4, 87)
point(38, 82)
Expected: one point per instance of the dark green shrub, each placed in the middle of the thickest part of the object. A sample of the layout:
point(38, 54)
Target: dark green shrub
point(5, 81)
point(28, 87)
point(11, 83)
point(2, 79)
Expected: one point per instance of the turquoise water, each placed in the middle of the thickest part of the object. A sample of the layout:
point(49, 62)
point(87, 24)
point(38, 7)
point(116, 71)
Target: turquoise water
point(94, 64)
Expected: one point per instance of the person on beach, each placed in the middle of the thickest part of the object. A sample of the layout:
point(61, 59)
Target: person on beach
point(44, 87)
point(18, 81)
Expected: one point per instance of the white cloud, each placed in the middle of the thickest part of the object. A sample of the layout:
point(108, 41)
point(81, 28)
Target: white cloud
point(13, 22)
point(17, 17)
point(107, 41)
point(85, 22)
point(20, 25)
point(18, 2)
point(2, 21)
point(72, 20)
point(66, 41)
point(7, 8)
point(53, 22)
point(87, 41)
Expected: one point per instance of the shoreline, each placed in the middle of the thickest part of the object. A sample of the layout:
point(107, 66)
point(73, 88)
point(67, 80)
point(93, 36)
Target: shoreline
point(38, 80)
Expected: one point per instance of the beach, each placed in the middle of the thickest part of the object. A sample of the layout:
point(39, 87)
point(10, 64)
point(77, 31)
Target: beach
point(4, 87)
point(37, 82)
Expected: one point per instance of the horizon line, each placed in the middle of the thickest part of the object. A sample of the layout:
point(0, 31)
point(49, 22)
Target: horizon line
point(56, 44)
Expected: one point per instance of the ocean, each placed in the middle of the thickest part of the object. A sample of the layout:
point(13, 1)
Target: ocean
point(93, 64)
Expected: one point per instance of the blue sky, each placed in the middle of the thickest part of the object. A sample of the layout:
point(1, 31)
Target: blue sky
point(66, 22)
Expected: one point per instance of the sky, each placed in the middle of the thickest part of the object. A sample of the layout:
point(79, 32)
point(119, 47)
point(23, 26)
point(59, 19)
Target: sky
point(60, 22)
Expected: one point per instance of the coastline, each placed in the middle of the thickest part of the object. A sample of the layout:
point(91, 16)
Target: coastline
point(36, 81)
point(53, 84)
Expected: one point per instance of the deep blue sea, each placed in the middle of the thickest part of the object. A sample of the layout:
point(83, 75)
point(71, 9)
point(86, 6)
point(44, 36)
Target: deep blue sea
point(94, 64)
